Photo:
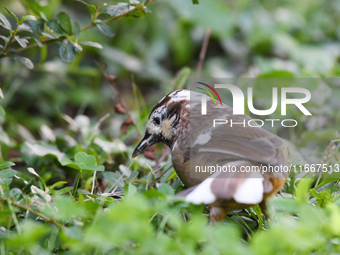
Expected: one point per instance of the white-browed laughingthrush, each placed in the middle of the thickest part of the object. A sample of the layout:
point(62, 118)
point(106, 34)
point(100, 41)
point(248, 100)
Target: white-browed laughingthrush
point(194, 140)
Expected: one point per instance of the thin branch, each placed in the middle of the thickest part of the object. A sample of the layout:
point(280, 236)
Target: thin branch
point(165, 153)
point(91, 25)
point(159, 177)
point(45, 41)
point(96, 127)
point(10, 40)
point(122, 102)
point(48, 219)
point(93, 182)
point(202, 53)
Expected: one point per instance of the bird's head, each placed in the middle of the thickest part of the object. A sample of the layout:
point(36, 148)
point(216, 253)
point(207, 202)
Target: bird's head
point(166, 120)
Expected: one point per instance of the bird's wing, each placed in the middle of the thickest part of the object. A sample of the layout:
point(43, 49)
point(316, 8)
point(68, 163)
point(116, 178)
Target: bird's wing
point(231, 145)
point(226, 142)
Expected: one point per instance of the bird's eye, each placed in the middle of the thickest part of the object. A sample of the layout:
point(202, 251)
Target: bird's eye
point(157, 121)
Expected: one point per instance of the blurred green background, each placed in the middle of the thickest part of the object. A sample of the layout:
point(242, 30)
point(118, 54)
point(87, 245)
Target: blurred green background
point(249, 38)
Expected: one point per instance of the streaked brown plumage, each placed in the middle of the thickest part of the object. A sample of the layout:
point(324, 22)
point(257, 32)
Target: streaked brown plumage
point(176, 120)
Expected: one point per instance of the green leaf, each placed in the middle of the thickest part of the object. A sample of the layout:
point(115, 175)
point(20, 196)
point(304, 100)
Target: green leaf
point(92, 44)
point(195, 2)
point(57, 184)
point(12, 14)
point(38, 42)
point(22, 42)
point(99, 168)
point(171, 175)
point(85, 161)
point(43, 16)
point(31, 235)
point(65, 22)
point(114, 179)
point(6, 176)
point(6, 164)
point(130, 190)
point(105, 29)
point(166, 189)
point(92, 9)
point(6, 39)
point(25, 27)
point(33, 152)
point(54, 25)
point(28, 17)
point(302, 189)
point(15, 193)
point(66, 51)
point(288, 205)
point(334, 219)
point(25, 62)
point(51, 36)
point(73, 233)
point(63, 190)
point(118, 9)
point(76, 29)
point(323, 197)
point(69, 163)
point(36, 25)
point(133, 175)
point(2, 112)
point(4, 22)
point(77, 48)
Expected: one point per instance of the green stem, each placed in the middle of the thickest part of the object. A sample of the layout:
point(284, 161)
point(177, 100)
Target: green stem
point(76, 187)
point(10, 40)
point(25, 207)
point(91, 25)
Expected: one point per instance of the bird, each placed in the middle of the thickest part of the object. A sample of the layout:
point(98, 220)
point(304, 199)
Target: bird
point(195, 141)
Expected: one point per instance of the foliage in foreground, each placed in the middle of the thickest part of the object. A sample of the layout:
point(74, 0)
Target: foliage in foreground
point(151, 223)
point(133, 210)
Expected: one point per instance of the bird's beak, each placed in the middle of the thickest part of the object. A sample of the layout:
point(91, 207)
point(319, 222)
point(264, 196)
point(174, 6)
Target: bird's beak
point(146, 142)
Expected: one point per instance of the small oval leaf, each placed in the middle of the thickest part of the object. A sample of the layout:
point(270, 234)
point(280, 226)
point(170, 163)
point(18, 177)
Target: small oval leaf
point(12, 14)
point(22, 42)
point(29, 17)
point(4, 22)
point(166, 189)
point(118, 9)
point(92, 44)
point(55, 26)
point(25, 62)
point(105, 29)
point(65, 22)
point(85, 161)
point(25, 27)
point(91, 8)
point(77, 48)
point(66, 51)
point(6, 164)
